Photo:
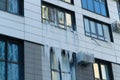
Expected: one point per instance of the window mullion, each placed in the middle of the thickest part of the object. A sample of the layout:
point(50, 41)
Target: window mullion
point(6, 60)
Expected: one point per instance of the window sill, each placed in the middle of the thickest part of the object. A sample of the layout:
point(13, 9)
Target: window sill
point(11, 13)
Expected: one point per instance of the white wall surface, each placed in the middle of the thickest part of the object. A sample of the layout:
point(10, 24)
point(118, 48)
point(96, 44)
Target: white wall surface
point(32, 29)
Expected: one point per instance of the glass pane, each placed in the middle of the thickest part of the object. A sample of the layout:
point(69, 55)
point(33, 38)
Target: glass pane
point(96, 71)
point(103, 9)
point(69, 1)
point(84, 4)
point(55, 75)
point(87, 26)
point(2, 50)
point(106, 32)
point(93, 29)
point(61, 19)
point(97, 7)
point(51, 14)
point(54, 62)
point(68, 19)
point(90, 5)
point(2, 71)
point(13, 72)
point(13, 6)
point(100, 30)
point(2, 4)
point(45, 12)
point(104, 72)
point(65, 63)
point(13, 52)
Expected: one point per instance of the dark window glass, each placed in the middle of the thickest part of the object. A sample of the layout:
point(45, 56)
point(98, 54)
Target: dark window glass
point(97, 6)
point(96, 29)
point(58, 17)
point(2, 4)
point(12, 6)
point(118, 7)
point(10, 60)
point(2, 71)
point(2, 50)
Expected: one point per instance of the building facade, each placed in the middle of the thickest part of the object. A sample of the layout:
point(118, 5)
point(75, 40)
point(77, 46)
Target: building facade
point(59, 40)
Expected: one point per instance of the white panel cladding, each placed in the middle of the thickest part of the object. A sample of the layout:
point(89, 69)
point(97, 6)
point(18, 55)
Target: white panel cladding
point(32, 29)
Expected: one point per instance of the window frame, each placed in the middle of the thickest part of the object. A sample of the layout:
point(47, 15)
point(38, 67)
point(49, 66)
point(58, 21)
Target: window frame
point(20, 8)
point(109, 68)
point(102, 23)
point(20, 61)
point(106, 6)
point(56, 23)
point(71, 2)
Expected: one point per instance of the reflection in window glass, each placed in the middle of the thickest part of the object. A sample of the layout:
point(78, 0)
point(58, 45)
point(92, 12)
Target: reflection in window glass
point(106, 32)
point(96, 29)
point(104, 72)
point(45, 12)
point(13, 6)
point(93, 29)
point(90, 6)
point(96, 71)
point(87, 27)
point(2, 50)
point(13, 72)
point(68, 20)
point(12, 52)
point(55, 75)
point(2, 71)
point(2, 4)
point(97, 7)
point(84, 4)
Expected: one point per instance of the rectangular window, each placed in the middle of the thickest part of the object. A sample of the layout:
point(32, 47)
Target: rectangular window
point(62, 69)
point(58, 16)
point(69, 1)
point(97, 29)
point(97, 6)
point(102, 70)
point(118, 7)
point(12, 6)
point(11, 59)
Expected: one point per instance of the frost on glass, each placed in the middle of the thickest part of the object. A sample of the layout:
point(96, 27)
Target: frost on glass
point(13, 6)
point(12, 52)
point(13, 72)
point(2, 50)
point(2, 71)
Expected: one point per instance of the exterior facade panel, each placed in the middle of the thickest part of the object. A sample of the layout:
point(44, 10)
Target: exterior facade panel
point(67, 27)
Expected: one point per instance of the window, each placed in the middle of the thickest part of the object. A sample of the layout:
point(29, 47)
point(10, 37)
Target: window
point(61, 68)
point(11, 60)
point(97, 30)
point(118, 6)
point(102, 70)
point(68, 1)
point(97, 6)
point(58, 16)
point(12, 6)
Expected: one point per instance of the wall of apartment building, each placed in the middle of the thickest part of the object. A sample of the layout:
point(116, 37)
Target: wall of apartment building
point(32, 29)
point(29, 27)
